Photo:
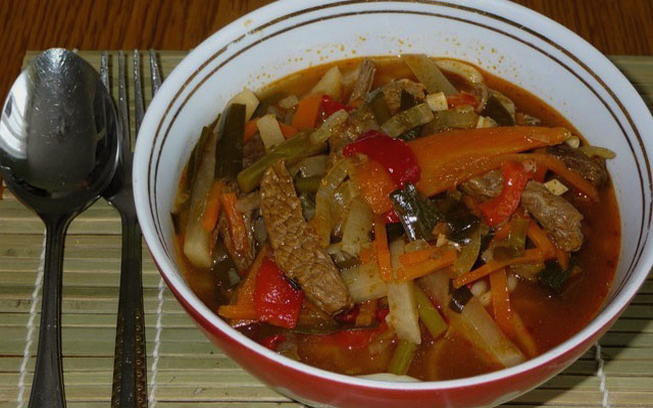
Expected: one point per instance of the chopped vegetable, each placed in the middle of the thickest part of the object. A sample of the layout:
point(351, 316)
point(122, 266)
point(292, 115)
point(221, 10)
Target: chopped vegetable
point(515, 244)
point(330, 84)
point(573, 142)
point(237, 229)
point(357, 227)
point(473, 323)
point(329, 127)
point(307, 112)
point(530, 256)
point(244, 307)
point(308, 184)
point(364, 282)
point(463, 117)
point(497, 111)
point(293, 149)
point(459, 298)
point(428, 314)
point(417, 214)
point(276, 300)
point(270, 132)
point(392, 154)
point(468, 255)
point(501, 301)
point(485, 122)
point(437, 101)
point(601, 152)
point(289, 102)
point(556, 187)
point(324, 219)
point(250, 130)
point(353, 339)
point(499, 209)
point(229, 149)
point(212, 210)
point(427, 72)
point(417, 270)
point(363, 82)
point(446, 159)
point(403, 316)
point(366, 313)
point(197, 243)
point(382, 252)
point(523, 337)
point(380, 108)
point(287, 130)
point(553, 276)
point(407, 120)
point(402, 357)
point(312, 166)
point(247, 98)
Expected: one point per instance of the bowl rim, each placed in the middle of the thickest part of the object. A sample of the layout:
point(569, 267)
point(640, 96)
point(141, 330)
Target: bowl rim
point(191, 63)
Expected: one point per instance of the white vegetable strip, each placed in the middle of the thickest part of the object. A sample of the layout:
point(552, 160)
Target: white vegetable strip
point(247, 98)
point(364, 282)
point(268, 128)
point(330, 84)
point(196, 242)
point(358, 225)
point(403, 316)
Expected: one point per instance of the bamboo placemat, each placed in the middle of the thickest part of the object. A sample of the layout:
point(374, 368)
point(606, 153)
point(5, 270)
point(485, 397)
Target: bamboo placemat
point(185, 369)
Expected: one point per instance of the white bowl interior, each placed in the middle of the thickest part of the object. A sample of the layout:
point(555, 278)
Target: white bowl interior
point(560, 68)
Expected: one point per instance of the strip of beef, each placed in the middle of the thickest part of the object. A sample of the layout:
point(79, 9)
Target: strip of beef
point(296, 246)
point(558, 217)
point(488, 185)
point(392, 93)
point(592, 169)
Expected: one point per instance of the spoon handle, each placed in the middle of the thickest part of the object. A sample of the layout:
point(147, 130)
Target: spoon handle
point(129, 368)
point(47, 386)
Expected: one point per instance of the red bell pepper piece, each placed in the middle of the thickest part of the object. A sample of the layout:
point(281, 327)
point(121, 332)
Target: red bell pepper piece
point(276, 300)
point(461, 99)
point(500, 208)
point(393, 154)
point(330, 106)
point(272, 342)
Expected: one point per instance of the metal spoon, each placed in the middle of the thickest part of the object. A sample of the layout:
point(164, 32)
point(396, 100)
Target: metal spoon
point(58, 150)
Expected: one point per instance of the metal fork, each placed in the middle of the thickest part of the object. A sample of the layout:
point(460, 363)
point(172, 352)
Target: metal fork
point(129, 368)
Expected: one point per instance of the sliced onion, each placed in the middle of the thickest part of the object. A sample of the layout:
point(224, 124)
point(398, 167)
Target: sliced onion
point(471, 75)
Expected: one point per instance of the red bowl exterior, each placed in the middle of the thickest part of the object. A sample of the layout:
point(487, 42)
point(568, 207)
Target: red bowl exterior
point(308, 388)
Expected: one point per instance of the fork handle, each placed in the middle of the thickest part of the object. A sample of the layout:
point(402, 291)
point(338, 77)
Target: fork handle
point(129, 366)
point(47, 386)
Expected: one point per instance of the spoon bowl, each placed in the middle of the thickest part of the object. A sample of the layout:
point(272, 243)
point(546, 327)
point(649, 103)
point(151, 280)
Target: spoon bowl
point(58, 150)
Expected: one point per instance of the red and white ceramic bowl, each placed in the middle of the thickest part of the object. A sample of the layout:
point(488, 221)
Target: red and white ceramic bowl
point(503, 38)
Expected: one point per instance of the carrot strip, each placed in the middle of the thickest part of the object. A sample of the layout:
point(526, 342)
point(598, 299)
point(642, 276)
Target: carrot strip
point(418, 270)
point(287, 130)
point(212, 209)
point(541, 240)
point(250, 130)
point(501, 301)
point(382, 250)
point(530, 256)
point(238, 312)
point(448, 158)
point(367, 254)
point(416, 257)
point(523, 337)
point(307, 112)
point(238, 230)
point(562, 257)
point(242, 309)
